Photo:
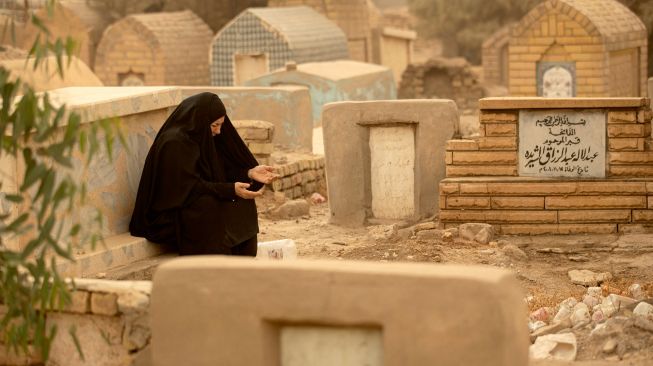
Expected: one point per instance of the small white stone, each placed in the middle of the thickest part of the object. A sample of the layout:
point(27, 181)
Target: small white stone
point(533, 326)
point(580, 316)
point(563, 313)
point(636, 292)
point(595, 292)
point(644, 309)
point(609, 346)
point(554, 346)
point(618, 301)
point(570, 302)
point(591, 301)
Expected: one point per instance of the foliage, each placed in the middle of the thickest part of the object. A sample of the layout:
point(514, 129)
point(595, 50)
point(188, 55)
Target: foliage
point(465, 24)
point(53, 147)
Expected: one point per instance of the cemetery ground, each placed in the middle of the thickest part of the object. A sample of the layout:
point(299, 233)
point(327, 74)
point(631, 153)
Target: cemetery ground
point(540, 263)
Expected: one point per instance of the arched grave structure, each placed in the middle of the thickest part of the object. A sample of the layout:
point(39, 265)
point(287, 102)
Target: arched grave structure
point(494, 57)
point(584, 48)
point(155, 49)
point(263, 39)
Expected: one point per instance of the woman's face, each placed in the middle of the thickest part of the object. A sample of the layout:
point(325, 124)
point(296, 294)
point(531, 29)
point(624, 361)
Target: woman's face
point(216, 126)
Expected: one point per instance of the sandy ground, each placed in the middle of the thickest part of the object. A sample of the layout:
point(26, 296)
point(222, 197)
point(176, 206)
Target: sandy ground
point(542, 273)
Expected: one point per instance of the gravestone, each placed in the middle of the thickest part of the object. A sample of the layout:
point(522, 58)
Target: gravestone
point(562, 143)
point(392, 151)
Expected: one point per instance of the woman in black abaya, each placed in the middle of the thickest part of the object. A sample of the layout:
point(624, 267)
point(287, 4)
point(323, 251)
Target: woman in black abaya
point(199, 183)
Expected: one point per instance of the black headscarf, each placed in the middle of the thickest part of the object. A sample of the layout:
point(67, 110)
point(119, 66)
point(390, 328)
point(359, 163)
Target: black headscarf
point(183, 156)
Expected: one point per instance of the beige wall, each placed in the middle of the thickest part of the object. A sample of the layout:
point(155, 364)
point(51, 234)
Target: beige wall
point(403, 301)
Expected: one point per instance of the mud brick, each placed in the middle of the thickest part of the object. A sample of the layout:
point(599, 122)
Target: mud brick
point(104, 303)
point(617, 116)
point(497, 143)
point(643, 216)
point(448, 157)
point(644, 115)
point(631, 171)
point(484, 157)
point(629, 130)
point(498, 117)
point(627, 158)
point(473, 188)
point(449, 188)
point(462, 145)
point(627, 144)
point(553, 229)
point(488, 170)
point(579, 202)
point(611, 188)
point(468, 202)
point(519, 203)
point(531, 189)
point(495, 129)
point(499, 216)
point(593, 216)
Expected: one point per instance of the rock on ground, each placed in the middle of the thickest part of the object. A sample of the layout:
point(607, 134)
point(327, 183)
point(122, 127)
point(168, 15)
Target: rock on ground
point(291, 209)
point(555, 346)
point(586, 277)
point(481, 233)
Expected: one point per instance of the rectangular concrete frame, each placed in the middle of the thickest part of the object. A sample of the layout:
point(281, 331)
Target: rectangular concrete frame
point(230, 311)
point(287, 107)
point(346, 145)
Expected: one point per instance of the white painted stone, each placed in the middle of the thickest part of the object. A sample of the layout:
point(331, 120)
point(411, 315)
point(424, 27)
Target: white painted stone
point(326, 346)
point(595, 292)
point(392, 152)
point(580, 315)
point(636, 292)
point(563, 314)
point(562, 143)
point(591, 301)
point(644, 309)
point(554, 347)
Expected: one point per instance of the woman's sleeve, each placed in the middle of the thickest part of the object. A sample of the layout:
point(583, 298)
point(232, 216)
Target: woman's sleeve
point(179, 167)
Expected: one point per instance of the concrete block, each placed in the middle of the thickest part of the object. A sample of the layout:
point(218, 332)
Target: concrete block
point(484, 157)
point(345, 297)
point(480, 170)
point(347, 127)
point(519, 203)
point(497, 143)
point(462, 145)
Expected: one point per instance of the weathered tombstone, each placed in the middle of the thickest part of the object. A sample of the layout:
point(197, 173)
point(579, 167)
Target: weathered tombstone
point(234, 311)
point(384, 159)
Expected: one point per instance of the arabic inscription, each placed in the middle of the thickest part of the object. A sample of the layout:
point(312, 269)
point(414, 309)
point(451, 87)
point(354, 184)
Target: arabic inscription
point(562, 143)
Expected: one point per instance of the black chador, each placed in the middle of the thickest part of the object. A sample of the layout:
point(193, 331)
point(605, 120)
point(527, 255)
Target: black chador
point(186, 196)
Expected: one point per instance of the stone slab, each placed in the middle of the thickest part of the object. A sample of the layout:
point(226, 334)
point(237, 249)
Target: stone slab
point(559, 103)
point(230, 311)
point(392, 151)
point(562, 143)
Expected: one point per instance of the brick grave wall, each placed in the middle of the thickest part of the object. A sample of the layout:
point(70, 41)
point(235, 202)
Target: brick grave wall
point(258, 138)
point(301, 176)
point(483, 185)
point(112, 325)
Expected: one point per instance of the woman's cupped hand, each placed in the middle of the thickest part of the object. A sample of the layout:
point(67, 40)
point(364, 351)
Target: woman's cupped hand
point(263, 173)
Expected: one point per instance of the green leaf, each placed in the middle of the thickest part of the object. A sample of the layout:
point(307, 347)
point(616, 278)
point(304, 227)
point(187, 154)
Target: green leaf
point(73, 333)
point(15, 198)
point(32, 175)
point(17, 223)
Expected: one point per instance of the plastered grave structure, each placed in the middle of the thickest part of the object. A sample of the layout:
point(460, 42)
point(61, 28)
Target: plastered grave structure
point(384, 159)
point(234, 311)
point(578, 48)
point(553, 166)
point(334, 81)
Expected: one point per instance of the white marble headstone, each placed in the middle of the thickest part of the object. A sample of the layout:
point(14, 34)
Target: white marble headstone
point(330, 346)
point(392, 153)
point(562, 143)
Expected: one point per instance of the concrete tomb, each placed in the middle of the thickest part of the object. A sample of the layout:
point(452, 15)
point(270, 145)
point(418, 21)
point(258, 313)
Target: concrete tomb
point(334, 81)
point(584, 48)
point(384, 159)
point(235, 311)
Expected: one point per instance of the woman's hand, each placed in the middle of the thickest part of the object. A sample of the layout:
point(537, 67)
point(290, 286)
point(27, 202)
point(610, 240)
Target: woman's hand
point(242, 192)
point(263, 173)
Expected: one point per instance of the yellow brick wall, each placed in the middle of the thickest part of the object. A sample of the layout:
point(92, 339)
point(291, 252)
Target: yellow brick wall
point(624, 73)
point(557, 36)
point(123, 48)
